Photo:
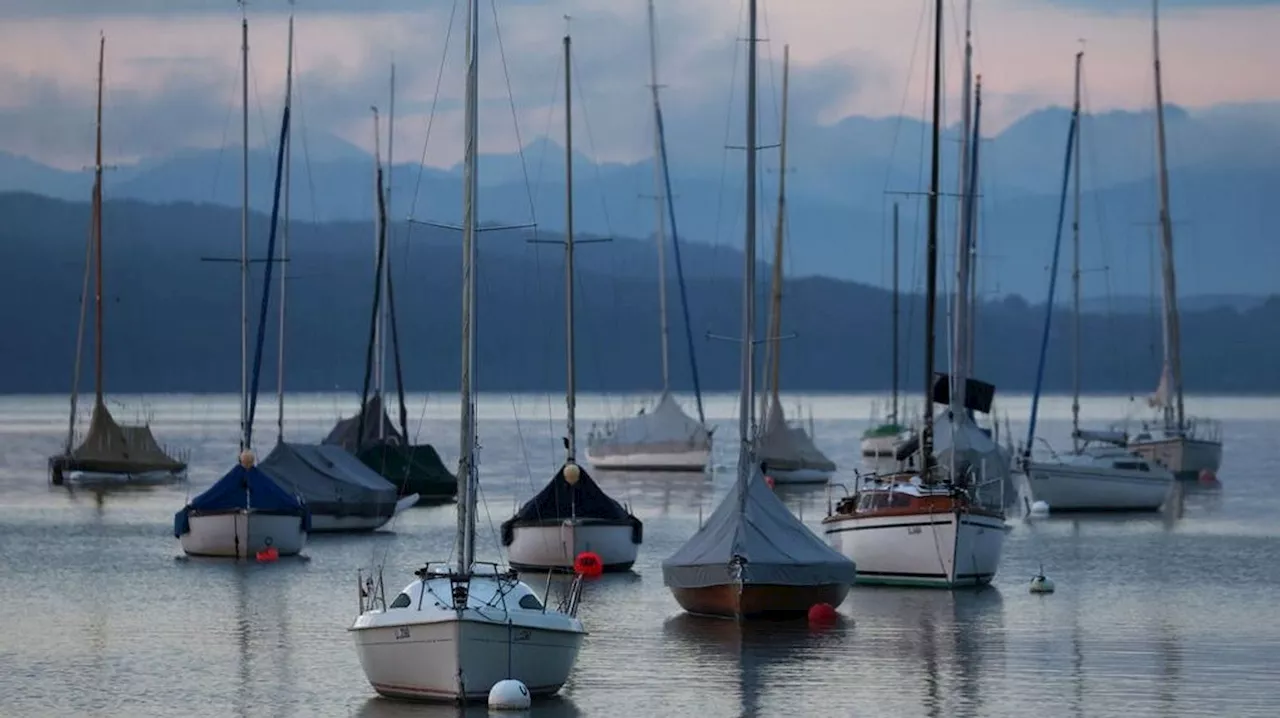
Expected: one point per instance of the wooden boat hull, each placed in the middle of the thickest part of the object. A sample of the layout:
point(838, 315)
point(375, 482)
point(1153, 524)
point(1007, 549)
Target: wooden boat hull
point(733, 600)
point(62, 466)
point(1185, 456)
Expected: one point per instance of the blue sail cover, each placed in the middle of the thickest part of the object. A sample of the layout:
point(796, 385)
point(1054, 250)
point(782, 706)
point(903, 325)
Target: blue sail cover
point(242, 488)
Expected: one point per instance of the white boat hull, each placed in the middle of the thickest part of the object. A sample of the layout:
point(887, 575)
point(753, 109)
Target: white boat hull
point(242, 534)
point(555, 546)
point(880, 447)
point(1082, 488)
point(691, 460)
point(1185, 457)
point(799, 476)
point(944, 550)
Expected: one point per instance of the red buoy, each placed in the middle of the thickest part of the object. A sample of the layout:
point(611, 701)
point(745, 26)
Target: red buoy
point(1207, 477)
point(823, 614)
point(768, 481)
point(588, 564)
point(268, 554)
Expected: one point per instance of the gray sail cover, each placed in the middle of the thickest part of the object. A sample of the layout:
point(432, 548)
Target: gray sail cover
point(771, 544)
point(665, 428)
point(788, 447)
point(956, 437)
point(330, 479)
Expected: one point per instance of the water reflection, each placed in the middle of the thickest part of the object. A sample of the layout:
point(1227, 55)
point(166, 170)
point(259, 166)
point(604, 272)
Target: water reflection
point(659, 490)
point(378, 707)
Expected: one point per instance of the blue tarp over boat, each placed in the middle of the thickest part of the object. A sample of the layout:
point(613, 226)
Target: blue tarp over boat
point(243, 488)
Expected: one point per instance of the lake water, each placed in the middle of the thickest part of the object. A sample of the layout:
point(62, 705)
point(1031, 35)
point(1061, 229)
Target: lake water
point(1164, 615)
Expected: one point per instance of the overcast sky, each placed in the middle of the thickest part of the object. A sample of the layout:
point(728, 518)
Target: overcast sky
point(173, 79)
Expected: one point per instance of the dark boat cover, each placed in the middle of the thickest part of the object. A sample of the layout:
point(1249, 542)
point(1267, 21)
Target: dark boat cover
point(243, 488)
point(377, 428)
point(114, 448)
point(331, 480)
point(414, 469)
point(559, 500)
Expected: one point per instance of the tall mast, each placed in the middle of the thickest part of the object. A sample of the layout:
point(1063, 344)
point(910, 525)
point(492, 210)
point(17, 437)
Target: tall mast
point(960, 341)
point(571, 380)
point(775, 305)
point(284, 244)
point(1173, 416)
point(746, 406)
point(660, 223)
point(931, 274)
point(97, 238)
point(1075, 273)
point(385, 274)
point(893, 417)
point(244, 231)
point(467, 458)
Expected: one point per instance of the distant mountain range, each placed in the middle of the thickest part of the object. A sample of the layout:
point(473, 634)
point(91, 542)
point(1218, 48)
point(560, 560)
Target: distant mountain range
point(1225, 164)
point(172, 321)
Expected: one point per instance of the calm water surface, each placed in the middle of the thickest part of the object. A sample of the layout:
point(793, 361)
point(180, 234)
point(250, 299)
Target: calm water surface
point(1164, 615)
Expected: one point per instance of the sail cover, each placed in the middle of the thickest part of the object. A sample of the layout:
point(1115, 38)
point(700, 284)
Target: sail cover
point(788, 447)
point(108, 446)
point(956, 435)
point(243, 488)
point(377, 428)
point(559, 500)
point(331, 480)
point(665, 428)
point(770, 544)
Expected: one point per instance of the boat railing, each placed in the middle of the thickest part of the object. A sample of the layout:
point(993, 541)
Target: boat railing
point(572, 598)
point(372, 594)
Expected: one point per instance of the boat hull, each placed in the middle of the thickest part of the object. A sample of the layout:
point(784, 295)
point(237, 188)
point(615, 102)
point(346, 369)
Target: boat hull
point(330, 523)
point(461, 658)
point(675, 461)
point(880, 447)
point(1186, 457)
point(798, 476)
point(1080, 488)
point(556, 545)
point(942, 550)
point(242, 534)
point(735, 600)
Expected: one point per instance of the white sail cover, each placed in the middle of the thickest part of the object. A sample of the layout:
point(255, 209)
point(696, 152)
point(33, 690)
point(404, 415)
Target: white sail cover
point(665, 428)
point(956, 434)
point(764, 544)
point(786, 447)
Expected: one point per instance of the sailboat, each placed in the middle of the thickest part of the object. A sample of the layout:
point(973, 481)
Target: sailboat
point(663, 438)
point(458, 629)
point(414, 470)
point(1185, 445)
point(110, 450)
point(753, 557)
point(954, 530)
point(786, 453)
point(881, 441)
point(1099, 473)
point(571, 514)
point(246, 511)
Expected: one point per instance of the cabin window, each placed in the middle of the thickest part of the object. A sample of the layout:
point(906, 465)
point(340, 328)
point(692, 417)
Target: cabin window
point(530, 602)
point(1131, 465)
point(402, 601)
point(900, 500)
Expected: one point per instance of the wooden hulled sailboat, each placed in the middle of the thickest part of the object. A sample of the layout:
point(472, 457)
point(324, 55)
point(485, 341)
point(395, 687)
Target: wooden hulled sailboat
point(753, 557)
point(571, 514)
point(109, 450)
point(786, 453)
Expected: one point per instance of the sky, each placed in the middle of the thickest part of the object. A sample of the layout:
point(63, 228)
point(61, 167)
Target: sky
point(173, 78)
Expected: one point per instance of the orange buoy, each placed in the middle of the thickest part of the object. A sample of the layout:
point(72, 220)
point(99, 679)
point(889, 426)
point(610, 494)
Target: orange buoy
point(588, 564)
point(1207, 477)
point(268, 554)
point(823, 614)
point(768, 481)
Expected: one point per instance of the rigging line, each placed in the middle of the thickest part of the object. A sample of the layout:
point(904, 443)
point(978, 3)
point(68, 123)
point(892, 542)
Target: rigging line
point(299, 107)
point(431, 116)
point(728, 127)
point(591, 143)
point(226, 127)
point(515, 120)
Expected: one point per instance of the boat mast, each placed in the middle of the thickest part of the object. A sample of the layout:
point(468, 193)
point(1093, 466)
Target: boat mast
point(1075, 273)
point(1173, 416)
point(244, 230)
point(97, 239)
point(960, 340)
point(931, 274)
point(893, 417)
point(284, 245)
point(660, 223)
point(570, 382)
point(385, 272)
point(775, 306)
point(467, 456)
point(746, 423)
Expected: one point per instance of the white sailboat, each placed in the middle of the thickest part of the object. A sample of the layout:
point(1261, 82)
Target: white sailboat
point(1186, 446)
point(458, 629)
point(942, 527)
point(571, 514)
point(1098, 474)
point(663, 438)
point(786, 453)
point(881, 441)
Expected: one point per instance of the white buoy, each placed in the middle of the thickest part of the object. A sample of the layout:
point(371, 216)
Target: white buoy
point(1041, 583)
point(509, 695)
point(1040, 508)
